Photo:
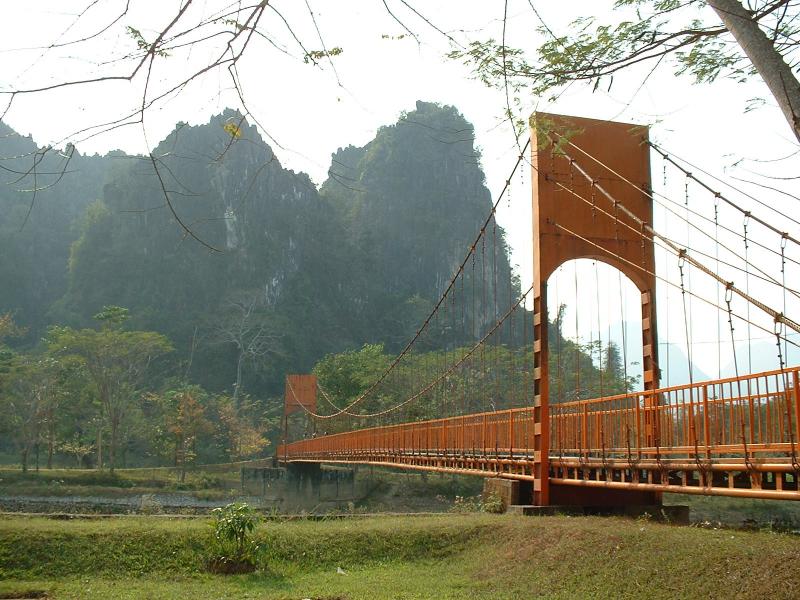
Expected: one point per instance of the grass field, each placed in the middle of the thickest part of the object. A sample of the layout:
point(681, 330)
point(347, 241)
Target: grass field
point(450, 556)
point(77, 482)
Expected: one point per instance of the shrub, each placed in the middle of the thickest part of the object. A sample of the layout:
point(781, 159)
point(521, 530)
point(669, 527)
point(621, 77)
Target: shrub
point(464, 504)
point(493, 503)
point(234, 550)
point(209, 482)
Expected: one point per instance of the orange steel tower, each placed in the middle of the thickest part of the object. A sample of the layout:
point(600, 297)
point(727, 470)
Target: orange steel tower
point(565, 199)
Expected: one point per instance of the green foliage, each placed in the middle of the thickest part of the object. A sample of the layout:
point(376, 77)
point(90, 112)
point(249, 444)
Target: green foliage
point(347, 375)
point(645, 32)
point(116, 361)
point(113, 316)
point(234, 526)
point(30, 393)
point(328, 272)
point(142, 44)
point(493, 503)
point(313, 56)
point(494, 377)
point(8, 328)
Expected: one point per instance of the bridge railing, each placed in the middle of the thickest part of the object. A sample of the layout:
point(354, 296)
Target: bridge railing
point(754, 415)
point(488, 433)
point(750, 417)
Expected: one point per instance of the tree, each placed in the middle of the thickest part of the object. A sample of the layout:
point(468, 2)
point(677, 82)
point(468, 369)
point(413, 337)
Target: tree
point(56, 375)
point(184, 414)
point(241, 438)
point(77, 449)
point(28, 392)
point(345, 376)
point(116, 361)
point(763, 52)
point(7, 327)
point(616, 373)
point(764, 37)
point(249, 329)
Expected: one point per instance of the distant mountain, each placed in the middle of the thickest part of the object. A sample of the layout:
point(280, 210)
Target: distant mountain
point(762, 356)
point(361, 260)
point(412, 200)
point(43, 196)
point(673, 360)
point(675, 366)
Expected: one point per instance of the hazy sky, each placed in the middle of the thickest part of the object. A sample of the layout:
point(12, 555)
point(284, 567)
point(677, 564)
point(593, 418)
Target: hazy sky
point(308, 112)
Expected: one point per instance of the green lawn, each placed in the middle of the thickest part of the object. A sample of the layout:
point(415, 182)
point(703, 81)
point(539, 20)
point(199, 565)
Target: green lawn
point(450, 556)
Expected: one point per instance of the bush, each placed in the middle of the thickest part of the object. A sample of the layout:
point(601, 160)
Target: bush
point(465, 504)
point(493, 503)
point(210, 482)
point(234, 550)
point(65, 477)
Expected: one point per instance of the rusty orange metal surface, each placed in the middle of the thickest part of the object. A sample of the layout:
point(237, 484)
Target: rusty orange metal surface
point(733, 437)
point(300, 393)
point(564, 197)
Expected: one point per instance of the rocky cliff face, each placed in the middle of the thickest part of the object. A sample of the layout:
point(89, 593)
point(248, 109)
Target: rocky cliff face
point(43, 193)
point(361, 260)
point(413, 199)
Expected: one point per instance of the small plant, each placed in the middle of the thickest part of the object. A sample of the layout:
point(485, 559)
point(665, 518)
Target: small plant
point(209, 482)
point(493, 503)
point(234, 549)
point(464, 504)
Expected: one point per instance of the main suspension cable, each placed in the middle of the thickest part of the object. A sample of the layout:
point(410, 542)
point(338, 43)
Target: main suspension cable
point(776, 315)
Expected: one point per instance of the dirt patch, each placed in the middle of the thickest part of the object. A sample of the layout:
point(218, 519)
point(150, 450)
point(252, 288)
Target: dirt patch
point(23, 595)
point(227, 566)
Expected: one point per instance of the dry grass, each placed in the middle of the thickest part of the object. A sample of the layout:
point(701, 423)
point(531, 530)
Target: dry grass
point(452, 556)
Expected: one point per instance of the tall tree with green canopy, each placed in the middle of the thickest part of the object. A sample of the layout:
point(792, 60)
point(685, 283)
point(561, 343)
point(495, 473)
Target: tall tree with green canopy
point(27, 395)
point(117, 362)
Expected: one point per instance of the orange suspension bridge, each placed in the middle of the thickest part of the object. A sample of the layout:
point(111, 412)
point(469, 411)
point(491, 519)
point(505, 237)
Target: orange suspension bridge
point(477, 391)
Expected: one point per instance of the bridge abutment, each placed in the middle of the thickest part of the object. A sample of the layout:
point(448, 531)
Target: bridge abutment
point(563, 495)
point(304, 477)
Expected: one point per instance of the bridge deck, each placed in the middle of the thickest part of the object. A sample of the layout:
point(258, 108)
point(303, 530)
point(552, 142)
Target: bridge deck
point(732, 437)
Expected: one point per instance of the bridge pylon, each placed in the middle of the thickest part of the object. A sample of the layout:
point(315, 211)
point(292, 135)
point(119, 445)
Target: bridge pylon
point(570, 156)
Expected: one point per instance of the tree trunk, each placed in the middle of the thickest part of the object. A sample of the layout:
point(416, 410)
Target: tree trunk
point(24, 460)
point(238, 380)
point(99, 448)
point(112, 451)
point(769, 63)
point(51, 442)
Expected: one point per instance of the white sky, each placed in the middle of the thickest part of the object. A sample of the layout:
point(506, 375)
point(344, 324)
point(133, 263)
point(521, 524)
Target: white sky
point(309, 115)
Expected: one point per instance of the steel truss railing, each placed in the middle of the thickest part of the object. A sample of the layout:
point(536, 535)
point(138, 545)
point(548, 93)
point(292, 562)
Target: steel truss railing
point(734, 437)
